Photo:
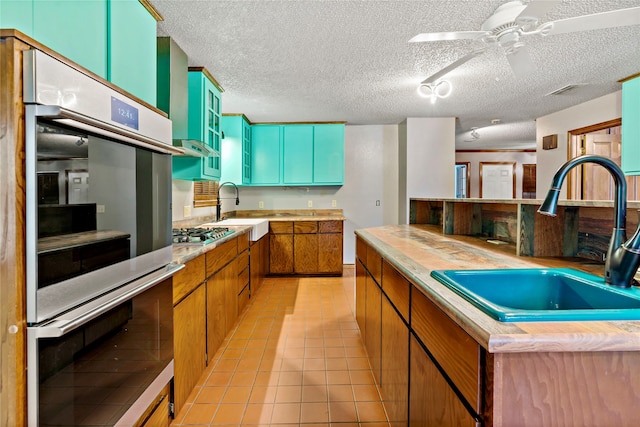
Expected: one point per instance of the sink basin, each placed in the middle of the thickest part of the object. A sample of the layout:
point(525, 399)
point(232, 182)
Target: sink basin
point(259, 226)
point(553, 294)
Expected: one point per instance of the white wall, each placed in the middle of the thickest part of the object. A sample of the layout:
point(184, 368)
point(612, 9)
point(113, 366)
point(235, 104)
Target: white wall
point(474, 158)
point(366, 181)
point(430, 159)
point(599, 110)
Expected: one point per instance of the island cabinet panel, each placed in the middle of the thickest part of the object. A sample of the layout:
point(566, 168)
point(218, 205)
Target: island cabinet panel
point(432, 401)
point(394, 364)
point(566, 389)
point(374, 264)
point(397, 289)
point(361, 278)
point(373, 325)
point(190, 346)
point(451, 347)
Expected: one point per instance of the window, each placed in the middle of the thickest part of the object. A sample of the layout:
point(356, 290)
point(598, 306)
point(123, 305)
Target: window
point(205, 193)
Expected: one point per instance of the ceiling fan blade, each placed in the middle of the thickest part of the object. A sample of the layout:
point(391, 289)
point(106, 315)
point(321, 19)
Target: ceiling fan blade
point(536, 9)
point(434, 77)
point(611, 19)
point(455, 35)
point(520, 62)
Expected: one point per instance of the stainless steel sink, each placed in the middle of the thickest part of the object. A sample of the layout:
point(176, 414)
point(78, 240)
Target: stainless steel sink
point(553, 294)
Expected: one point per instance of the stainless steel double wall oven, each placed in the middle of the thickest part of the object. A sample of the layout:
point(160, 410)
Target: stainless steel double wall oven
point(98, 253)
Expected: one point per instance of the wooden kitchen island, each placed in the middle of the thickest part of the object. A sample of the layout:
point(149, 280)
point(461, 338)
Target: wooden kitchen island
point(442, 362)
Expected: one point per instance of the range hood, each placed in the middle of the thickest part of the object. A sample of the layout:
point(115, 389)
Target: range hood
point(194, 148)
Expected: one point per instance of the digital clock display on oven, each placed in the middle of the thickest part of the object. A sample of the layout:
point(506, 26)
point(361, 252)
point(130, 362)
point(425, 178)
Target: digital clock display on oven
point(123, 113)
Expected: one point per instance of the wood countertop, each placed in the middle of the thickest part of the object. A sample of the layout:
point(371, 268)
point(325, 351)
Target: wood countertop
point(416, 250)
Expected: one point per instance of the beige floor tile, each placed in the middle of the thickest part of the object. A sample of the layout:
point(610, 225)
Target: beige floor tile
point(229, 413)
point(285, 413)
point(314, 412)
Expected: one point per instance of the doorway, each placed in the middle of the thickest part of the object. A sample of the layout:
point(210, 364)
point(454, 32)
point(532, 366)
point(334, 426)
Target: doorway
point(592, 182)
point(497, 180)
point(462, 180)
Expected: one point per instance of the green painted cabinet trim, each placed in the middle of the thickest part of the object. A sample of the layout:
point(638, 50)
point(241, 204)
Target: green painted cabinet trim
point(266, 147)
point(115, 39)
point(236, 150)
point(631, 126)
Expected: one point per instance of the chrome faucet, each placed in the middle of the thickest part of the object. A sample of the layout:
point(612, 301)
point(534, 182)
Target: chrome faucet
point(623, 256)
point(219, 205)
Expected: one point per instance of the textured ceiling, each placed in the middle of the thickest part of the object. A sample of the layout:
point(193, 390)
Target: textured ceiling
point(350, 61)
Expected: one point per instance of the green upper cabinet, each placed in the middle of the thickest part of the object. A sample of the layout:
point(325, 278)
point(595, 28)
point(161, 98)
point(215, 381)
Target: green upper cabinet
point(297, 154)
point(205, 126)
point(328, 154)
point(292, 154)
point(115, 39)
point(236, 149)
point(265, 154)
point(631, 126)
point(132, 48)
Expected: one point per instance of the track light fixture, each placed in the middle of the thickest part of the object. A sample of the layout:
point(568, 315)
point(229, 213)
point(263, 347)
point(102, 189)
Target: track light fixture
point(435, 90)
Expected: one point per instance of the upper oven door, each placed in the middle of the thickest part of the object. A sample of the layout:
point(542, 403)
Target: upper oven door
point(98, 188)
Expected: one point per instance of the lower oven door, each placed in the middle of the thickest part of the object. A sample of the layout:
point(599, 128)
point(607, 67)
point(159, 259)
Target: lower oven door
point(105, 362)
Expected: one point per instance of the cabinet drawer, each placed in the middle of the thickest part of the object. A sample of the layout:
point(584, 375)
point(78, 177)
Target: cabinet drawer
point(456, 352)
point(188, 278)
point(281, 227)
point(374, 264)
point(243, 279)
point(397, 288)
point(220, 256)
point(330, 226)
point(243, 242)
point(301, 227)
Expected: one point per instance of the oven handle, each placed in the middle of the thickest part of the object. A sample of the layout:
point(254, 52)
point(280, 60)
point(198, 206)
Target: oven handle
point(56, 112)
point(77, 317)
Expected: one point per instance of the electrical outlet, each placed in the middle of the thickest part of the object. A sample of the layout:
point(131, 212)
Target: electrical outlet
point(186, 211)
point(99, 208)
point(334, 203)
point(310, 203)
point(377, 202)
point(260, 204)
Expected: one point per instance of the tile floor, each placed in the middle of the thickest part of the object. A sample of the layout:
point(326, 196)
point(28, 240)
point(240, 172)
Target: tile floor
point(295, 358)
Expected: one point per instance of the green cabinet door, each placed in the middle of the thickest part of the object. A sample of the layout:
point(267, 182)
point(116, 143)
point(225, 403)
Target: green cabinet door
point(328, 154)
point(75, 29)
point(298, 154)
point(235, 144)
point(132, 49)
point(265, 155)
point(631, 127)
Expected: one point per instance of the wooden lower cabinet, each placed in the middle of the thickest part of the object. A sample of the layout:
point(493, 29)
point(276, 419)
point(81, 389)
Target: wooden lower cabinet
point(281, 254)
point(216, 312)
point(189, 343)
point(158, 415)
point(305, 247)
point(394, 364)
point(373, 324)
point(432, 401)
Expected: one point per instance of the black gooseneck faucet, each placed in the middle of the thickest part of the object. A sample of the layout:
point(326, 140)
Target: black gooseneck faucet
point(623, 256)
point(219, 205)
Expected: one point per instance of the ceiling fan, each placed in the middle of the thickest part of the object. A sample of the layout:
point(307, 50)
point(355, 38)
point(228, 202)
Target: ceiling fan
point(513, 21)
